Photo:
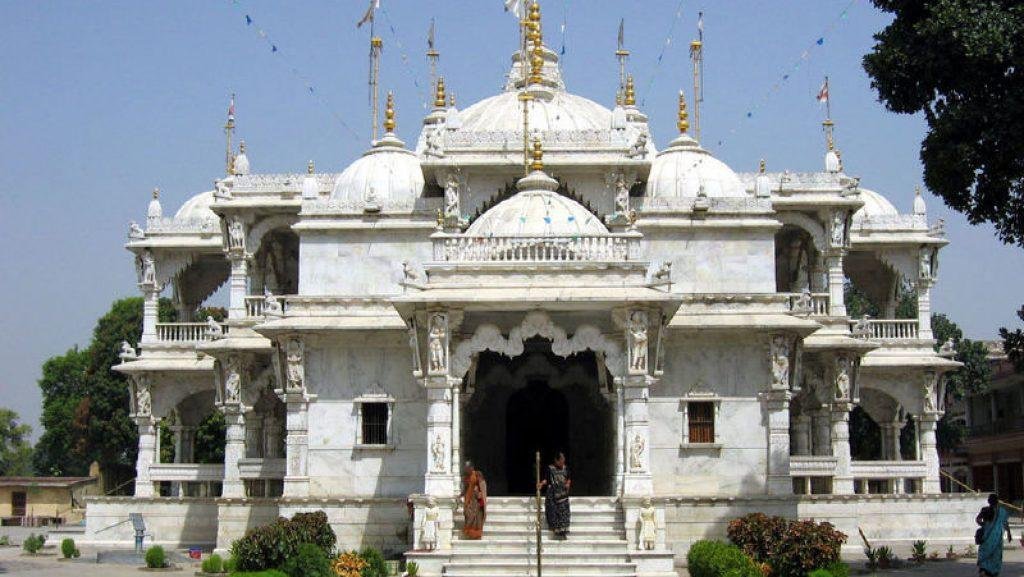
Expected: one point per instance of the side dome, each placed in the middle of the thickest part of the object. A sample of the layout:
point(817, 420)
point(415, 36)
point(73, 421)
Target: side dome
point(197, 208)
point(387, 173)
point(682, 169)
point(537, 211)
point(875, 205)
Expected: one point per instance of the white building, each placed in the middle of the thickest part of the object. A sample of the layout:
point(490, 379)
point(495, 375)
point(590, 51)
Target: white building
point(678, 329)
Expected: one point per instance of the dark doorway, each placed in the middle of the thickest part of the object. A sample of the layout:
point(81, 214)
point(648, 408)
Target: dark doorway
point(537, 420)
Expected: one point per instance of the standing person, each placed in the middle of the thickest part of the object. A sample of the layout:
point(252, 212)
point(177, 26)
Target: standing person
point(474, 503)
point(556, 501)
point(990, 537)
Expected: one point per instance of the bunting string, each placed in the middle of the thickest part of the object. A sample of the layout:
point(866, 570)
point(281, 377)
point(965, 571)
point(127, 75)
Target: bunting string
point(788, 73)
point(406, 64)
point(661, 55)
point(303, 79)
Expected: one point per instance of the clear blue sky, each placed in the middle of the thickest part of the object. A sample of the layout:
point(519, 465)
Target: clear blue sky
point(100, 102)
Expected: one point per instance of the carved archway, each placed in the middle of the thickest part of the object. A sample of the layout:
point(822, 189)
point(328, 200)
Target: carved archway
point(809, 225)
point(488, 337)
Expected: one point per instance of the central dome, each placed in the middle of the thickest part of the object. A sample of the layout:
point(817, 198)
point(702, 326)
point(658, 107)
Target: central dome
point(537, 211)
point(560, 111)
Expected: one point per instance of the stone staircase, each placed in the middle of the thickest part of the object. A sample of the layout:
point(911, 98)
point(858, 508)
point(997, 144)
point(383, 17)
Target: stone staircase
point(597, 544)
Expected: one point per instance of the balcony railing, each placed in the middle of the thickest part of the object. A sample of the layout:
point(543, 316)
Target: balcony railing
point(817, 306)
point(885, 329)
point(185, 332)
point(249, 468)
point(537, 249)
point(184, 472)
point(888, 476)
point(254, 306)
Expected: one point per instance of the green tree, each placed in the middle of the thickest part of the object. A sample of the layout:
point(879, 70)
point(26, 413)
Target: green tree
point(961, 63)
point(1013, 343)
point(15, 450)
point(61, 450)
point(970, 379)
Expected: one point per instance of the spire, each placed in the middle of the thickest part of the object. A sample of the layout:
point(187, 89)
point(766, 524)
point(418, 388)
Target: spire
point(630, 99)
point(376, 48)
point(310, 187)
point(762, 167)
point(697, 56)
point(762, 185)
point(240, 165)
point(439, 95)
point(432, 54)
point(451, 100)
point(684, 117)
point(538, 155)
point(155, 211)
point(389, 114)
point(536, 39)
point(622, 54)
point(310, 167)
point(920, 208)
point(229, 129)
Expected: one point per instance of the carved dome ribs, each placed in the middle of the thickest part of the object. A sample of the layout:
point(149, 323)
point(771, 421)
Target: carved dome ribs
point(510, 190)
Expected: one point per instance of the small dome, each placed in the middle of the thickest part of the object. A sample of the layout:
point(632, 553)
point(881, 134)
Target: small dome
point(684, 167)
point(537, 210)
point(197, 208)
point(385, 173)
point(874, 205)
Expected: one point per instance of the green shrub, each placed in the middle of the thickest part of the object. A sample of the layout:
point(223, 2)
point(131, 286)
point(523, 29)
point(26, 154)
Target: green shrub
point(308, 561)
point(375, 564)
point(230, 564)
point(920, 554)
point(791, 548)
point(270, 546)
point(718, 559)
point(266, 573)
point(820, 573)
point(412, 569)
point(33, 543)
point(839, 569)
point(68, 549)
point(155, 557)
point(5, 540)
point(213, 564)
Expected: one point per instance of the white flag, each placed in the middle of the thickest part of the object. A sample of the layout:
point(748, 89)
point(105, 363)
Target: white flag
point(516, 7)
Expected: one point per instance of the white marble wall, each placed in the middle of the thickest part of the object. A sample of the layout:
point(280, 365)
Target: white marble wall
point(171, 522)
point(714, 260)
point(359, 262)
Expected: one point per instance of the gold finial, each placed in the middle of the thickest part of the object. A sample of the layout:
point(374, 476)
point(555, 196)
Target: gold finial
point(684, 117)
point(536, 38)
point(310, 167)
point(439, 96)
point(156, 193)
point(630, 92)
point(763, 166)
point(440, 218)
point(538, 155)
point(389, 113)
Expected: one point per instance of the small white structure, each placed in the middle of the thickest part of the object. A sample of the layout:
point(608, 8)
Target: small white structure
point(379, 334)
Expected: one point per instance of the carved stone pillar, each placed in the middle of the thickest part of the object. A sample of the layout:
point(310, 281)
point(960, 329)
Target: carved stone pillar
point(142, 413)
point(238, 284)
point(842, 381)
point(891, 441)
point(187, 439)
point(776, 399)
point(297, 400)
point(253, 435)
point(822, 432)
point(836, 283)
point(924, 309)
point(234, 450)
point(442, 474)
point(638, 481)
point(802, 435)
point(926, 426)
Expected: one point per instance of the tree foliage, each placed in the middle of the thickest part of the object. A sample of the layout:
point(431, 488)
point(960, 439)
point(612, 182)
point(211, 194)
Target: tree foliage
point(970, 379)
point(15, 450)
point(1013, 343)
point(961, 63)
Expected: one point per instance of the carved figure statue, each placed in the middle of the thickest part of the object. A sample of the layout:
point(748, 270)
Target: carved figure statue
point(862, 328)
point(233, 382)
point(638, 337)
point(437, 454)
point(843, 378)
point(143, 399)
point(928, 392)
point(926, 264)
point(639, 147)
point(271, 304)
point(236, 234)
point(296, 373)
point(213, 329)
point(780, 362)
point(127, 351)
point(135, 231)
point(804, 303)
point(414, 344)
point(839, 229)
point(221, 190)
point(948, 347)
point(636, 452)
point(664, 272)
point(648, 525)
point(438, 334)
point(621, 195)
point(148, 268)
point(429, 525)
point(451, 198)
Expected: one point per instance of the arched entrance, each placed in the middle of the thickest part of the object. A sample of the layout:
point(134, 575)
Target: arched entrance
point(537, 419)
point(540, 401)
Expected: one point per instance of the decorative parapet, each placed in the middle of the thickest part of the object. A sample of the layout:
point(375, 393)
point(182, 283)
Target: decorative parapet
point(812, 466)
point(188, 333)
point(288, 183)
point(885, 329)
point(537, 249)
point(787, 182)
point(170, 225)
point(712, 205)
point(330, 206)
point(553, 139)
point(891, 223)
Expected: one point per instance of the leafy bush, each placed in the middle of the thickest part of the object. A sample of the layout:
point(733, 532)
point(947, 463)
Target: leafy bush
point(718, 559)
point(231, 564)
point(270, 546)
point(309, 561)
point(412, 569)
point(885, 557)
point(920, 554)
point(68, 549)
point(375, 564)
point(839, 569)
point(348, 564)
point(820, 573)
point(791, 548)
point(267, 573)
point(155, 557)
point(5, 540)
point(213, 564)
point(33, 543)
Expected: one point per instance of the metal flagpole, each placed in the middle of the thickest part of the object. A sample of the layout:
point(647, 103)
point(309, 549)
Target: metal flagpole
point(622, 54)
point(539, 533)
point(432, 54)
point(229, 128)
point(697, 55)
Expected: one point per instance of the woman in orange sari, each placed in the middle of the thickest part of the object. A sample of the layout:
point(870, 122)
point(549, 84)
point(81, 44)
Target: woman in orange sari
point(474, 503)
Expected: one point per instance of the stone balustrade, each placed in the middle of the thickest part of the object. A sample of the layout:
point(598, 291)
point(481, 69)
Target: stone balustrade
point(185, 332)
point(186, 472)
point(817, 307)
point(256, 468)
point(888, 476)
point(886, 329)
point(812, 466)
point(254, 306)
point(537, 249)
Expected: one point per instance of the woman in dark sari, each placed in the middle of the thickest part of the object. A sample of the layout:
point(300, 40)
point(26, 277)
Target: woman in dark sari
point(556, 501)
point(993, 520)
point(474, 503)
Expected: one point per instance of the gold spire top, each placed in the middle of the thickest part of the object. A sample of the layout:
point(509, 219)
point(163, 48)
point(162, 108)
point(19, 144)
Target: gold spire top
point(439, 95)
point(762, 167)
point(538, 155)
point(684, 117)
point(630, 99)
point(536, 38)
point(389, 114)
point(310, 167)
point(156, 193)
